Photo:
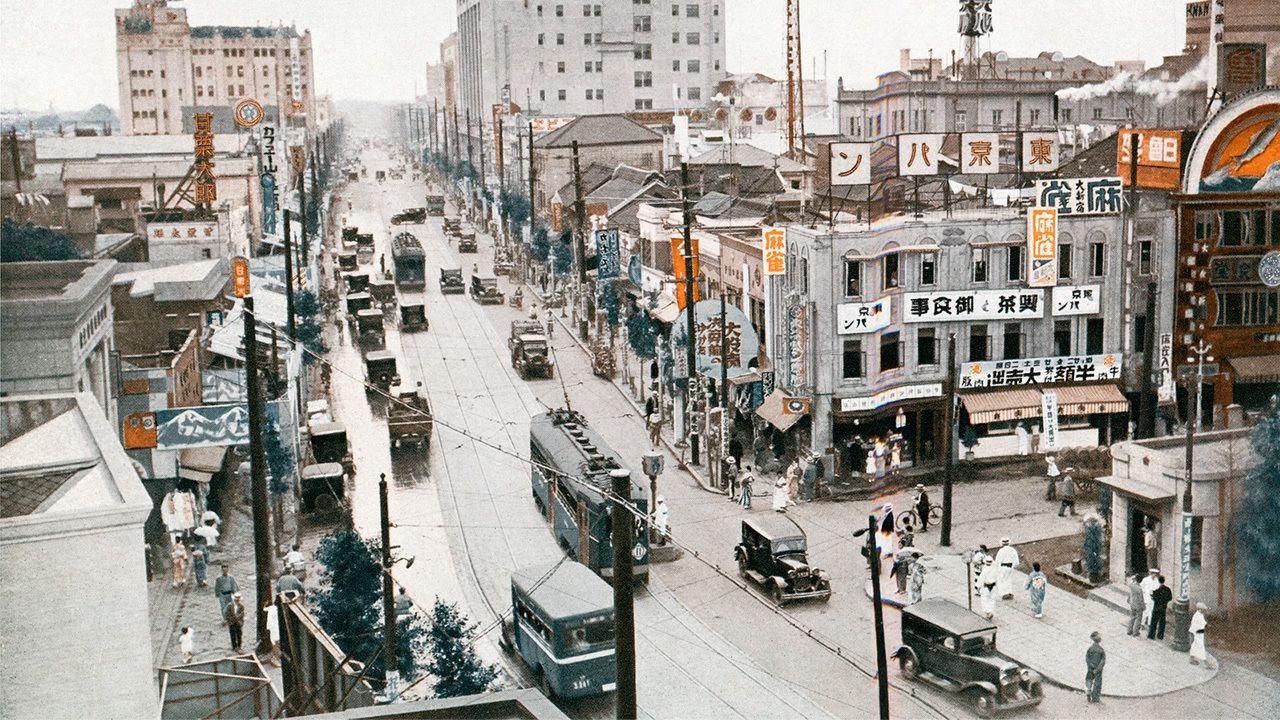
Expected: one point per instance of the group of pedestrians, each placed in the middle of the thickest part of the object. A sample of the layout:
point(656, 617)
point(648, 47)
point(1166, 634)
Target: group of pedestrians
point(994, 572)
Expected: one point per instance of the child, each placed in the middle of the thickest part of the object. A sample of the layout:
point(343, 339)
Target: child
point(187, 642)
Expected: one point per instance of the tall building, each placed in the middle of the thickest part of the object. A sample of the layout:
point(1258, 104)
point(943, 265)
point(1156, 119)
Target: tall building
point(609, 56)
point(169, 70)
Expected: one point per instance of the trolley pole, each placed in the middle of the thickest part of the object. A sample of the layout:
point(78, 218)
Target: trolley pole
point(623, 596)
point(949, 463)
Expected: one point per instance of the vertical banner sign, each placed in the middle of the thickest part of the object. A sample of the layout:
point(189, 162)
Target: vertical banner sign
point(979, 153)
point(797, 346)
point(678, 268)
point(774, 250)
point(1039, 151)
point(607, 254)
point(850, 163)
point(1049, 408)
point(1184, 556)
point(267, 177)
point(1042, 239)
point(240, 275)
point(206, 182)
point(1165, 390)
point(918, 154)
point(295, 62)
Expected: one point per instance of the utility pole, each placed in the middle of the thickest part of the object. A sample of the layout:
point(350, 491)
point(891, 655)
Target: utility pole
point(258, 476)
point(1146, 408)
point(457, 140)
point(302, 206)
point(873, 565)
point(445, 134)
point(483, 171)
point(580, 246)
point(1127, 283)
point(949, 463)
point(288, 278)
point(1182, 606)
point(15, 159)
point(471, 165)
point(499, 157)
point(623, 596)
point(388, 597)
point(690, 355)
point(532, 211)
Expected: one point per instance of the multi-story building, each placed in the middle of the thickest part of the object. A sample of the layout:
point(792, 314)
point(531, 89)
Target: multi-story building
point(1243, 21)
point(169, 70)
point(606, 56)
point(609, 140)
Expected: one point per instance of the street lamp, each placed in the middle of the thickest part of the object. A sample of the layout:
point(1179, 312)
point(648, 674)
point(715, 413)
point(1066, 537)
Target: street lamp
point(651, 463)
point(1182, 606)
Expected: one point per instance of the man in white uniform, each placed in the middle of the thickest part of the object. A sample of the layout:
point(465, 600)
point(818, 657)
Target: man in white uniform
point(1006, 561)
point(1149, 585)
point(987, 588)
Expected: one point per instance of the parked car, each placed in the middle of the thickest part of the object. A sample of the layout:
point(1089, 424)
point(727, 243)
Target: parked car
point(952, 648)
point(451, 281)
point(467, 241)
point(773, 555)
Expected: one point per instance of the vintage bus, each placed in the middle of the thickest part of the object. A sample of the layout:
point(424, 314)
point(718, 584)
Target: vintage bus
point(410, 262)
point(577, 509)
point(562, 627)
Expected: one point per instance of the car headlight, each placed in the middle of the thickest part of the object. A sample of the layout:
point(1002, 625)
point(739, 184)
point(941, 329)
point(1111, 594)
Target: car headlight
point(1025, 674)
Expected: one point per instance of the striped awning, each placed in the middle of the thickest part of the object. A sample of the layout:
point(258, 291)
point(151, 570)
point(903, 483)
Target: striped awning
point(1256, 368)
point(1091, 400)
point(1001, 405)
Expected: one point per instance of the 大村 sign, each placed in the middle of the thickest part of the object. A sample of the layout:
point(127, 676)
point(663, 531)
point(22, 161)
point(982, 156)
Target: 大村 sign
point(1076, 300)
point(773, 243)
point(856, 318)
point(738, 342)
point(892, 395)
point(1040, 371)
point(206, 182)
point(1042, 247)
point(610, 263)
point(1081, 196)
point(958, 305)
point(850, 163)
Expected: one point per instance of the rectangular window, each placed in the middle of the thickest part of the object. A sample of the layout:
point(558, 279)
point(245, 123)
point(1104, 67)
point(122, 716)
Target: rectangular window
point(1066, 115)
point(852, 360)
point(640, 23)
point(1093, 336)
point(979, 263)
point(1097, 113)
point(542, 95)
point(586, 38)
point(541, 38)
point(979, 343)
point(561, 94)
point(1204, 225)
point(587, 66)
point(559, 11)
point(961, 120)
point(586, 11)
point(675, 66)
point(595, 10)
point(1017, 262)
point(1144, 257)
point(590, 94)
point(928, 268)
point(539, 11)
point(1257, 227)
point(693, 66)
point(644, 104)
point(560, 67)
point(599, 66)
point(644, 52)
point(1096, 255)
point(691, 11)
point(559, 38)
point(715, 10)
point(644, 79)
point(675, 10)
point(692, 38)
point(889, 270)
point(695, 93)
point(1064, 261)
point(1012, 341)
point(1197, 540)
point(1035, 117)
point(852, 278)
point(997, 119)
point(926, 347)
point(890, 352)
point(675, 37)
point(1232, 229)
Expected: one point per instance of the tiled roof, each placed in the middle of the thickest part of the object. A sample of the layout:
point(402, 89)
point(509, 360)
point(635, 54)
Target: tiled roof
point(593, 176)
point(746, 156)
point(590, 130)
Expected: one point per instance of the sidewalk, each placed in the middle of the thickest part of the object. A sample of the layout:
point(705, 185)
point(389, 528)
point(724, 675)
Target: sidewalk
point(1055, 645)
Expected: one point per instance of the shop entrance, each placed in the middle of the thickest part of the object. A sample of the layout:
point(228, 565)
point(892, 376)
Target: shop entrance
point(1139, 520)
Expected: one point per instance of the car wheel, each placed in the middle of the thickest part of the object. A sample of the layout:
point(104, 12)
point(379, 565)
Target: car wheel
point(983, 703)
point(779, 595)
point(907, 665)
point(742, 568)
point(1036, 690)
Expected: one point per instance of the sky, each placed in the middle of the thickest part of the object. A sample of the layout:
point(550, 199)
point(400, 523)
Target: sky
point(61, 53)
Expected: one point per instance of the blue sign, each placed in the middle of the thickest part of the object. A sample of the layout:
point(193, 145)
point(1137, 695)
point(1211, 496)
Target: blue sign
point(607, 253)
point(634, 270)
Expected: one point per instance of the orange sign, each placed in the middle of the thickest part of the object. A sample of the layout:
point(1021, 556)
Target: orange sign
point(774, 249)
point(240, 276)
point(140, 431)
point(1042, 237)
point(1159, 156)
point(678, 269)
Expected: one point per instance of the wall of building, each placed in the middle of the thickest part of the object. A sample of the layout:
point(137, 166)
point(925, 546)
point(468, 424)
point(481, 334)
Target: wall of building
point(554, 166)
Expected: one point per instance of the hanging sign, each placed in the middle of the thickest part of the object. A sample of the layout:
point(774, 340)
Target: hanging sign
point(683, 282)
point(739, 343)
point(206, 182)
point(892, 395)
point(774, 250)
point(1049, 411)
point(1164, 355)
point(240, 276)
point(607, 253)
point(850, 163)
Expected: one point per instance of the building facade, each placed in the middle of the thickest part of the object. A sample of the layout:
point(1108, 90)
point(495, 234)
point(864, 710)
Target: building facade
point(608, 140)
point(168, 70)
point(607, 56)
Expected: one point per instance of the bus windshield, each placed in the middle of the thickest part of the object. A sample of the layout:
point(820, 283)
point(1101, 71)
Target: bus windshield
point(590, 636)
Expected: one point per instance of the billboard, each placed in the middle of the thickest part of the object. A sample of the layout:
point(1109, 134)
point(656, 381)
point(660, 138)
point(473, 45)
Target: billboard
point(1042, 247)
point(1159, 155)
point(1081, 196)
point(979, 153)
point(1024, 372)
point(774, 250)
point(1076, 300)
point(919, 153)
point(1040, 152)
point(739, 342)
point(850, 163)
point(961, 305)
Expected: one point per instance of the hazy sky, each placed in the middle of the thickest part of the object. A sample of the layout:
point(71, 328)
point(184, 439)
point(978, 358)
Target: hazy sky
point(63, 51)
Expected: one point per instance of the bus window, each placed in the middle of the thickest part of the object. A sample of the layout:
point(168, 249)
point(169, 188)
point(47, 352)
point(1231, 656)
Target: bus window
point(592, 635)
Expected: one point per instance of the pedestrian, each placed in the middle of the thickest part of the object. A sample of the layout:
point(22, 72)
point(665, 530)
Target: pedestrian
point(745, 483)
point(978, 563)
point(1068, 493)
point(917, 578)
point(1051, 474)
point(730, 473)
point(187, 642)
point(1160, 599)
point(290, 587)
point(1149, 585)
point(200, 562)
point(888, 532)
point(1038, 584)
point(1198, 625)
point(1006, 561)
point(273, 631)
point(224, 588)
point(662, 520)
point(295, 563)
point(793, 481)
point(234, 617)
point(1137, 605)
point(209, 531)
point(900, 571)
point(987, 585)
point(922, 506)
point(1095, 658)
point(404, 605)
point(1151, 544)
point(655, 427)
point(780, 495)
point(551, 327)
point(179, 557)
point(809, 479)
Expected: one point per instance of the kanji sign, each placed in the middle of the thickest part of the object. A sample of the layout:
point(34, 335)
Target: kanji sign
point(960, 305)
point(204, 230)
point(607, 253)
point(774, 250)
point(240, 276)
point(1241, 67)
point(850, 163)
point(267, 178)
point(1076, 300)
point(1049, 411)
point(892, 395)
point(1164, 355)
point(797, 339)
point(206, 182)
point(1039, 151)
point(918, 153)
point(1081, 196)
point(678, 269)
point(1040, 371)
point(862, 317)
point(1158, 157)
point(979, 153)
point(248, 112)
point(1042, 247)
point(738, 342)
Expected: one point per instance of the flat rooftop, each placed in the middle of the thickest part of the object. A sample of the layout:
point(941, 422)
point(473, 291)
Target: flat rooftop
point(62, 280)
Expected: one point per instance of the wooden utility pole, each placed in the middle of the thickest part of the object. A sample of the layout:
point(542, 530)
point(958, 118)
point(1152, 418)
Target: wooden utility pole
point(445, 135)
point(882, 663)
point(288, 278)
point(623, 596)
point(258, 476)
point(388, 596)
point(457, 141)
point(499, 157)
point(471, 165)
point(949, 462)
point(483, 171)
point(1146, 403)
point(691, 356)
point(532, 211)
point(302, 206)
point(15, 158)
point(580, 246)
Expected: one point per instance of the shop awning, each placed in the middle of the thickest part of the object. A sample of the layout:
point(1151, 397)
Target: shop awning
point(199, 464)
point(745, 378)
point(1001, 405)
point(1257, 368)
point(1091, 400)
point(775, 411)
point(667, 311)
point(1137, 488)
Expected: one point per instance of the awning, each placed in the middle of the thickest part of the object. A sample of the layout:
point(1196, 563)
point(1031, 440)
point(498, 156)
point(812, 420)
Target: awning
point(1090, 400)
point(667, 311)
point(775, 410)
point(1138, 489)
point(1001, 405)
point(745, 379)
point(1256, 369)
point(199, 464)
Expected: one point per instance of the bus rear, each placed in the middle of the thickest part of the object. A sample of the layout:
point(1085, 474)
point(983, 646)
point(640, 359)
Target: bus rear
point(563, 625)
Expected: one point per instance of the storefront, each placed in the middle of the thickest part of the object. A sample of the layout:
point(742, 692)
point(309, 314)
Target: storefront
point(911, 415)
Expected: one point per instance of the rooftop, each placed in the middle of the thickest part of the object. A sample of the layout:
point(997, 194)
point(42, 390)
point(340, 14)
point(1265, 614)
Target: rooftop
point(570, 590)
point(116, 147)
point(747, 156)
point(590, 130)
point(69, 280)
point(200, 280)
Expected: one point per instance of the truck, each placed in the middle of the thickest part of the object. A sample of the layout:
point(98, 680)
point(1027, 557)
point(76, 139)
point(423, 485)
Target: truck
point(530, 352)
point(467, 241)
point(409, 418)
point(435, 205)
point(410, 262)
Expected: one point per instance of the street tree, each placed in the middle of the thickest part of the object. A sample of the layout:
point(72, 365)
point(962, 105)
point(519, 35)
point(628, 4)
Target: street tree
point(642, 334)
point(25, 242)
point(452, 656)
point(310, 331)
point(1259, 542)
point(562, 254)
point(541, 244)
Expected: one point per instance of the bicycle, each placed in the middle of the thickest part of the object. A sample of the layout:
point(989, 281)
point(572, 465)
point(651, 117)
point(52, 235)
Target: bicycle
point(909, 521)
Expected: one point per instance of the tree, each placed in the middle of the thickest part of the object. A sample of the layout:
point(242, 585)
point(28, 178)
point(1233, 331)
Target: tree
point(541, 244)
point(453, 661)
point(1259, 542)
point(610, 303)
point(26, 242)
point(642, 334)
point(562, 254)
point(279, 460)
point(514, 208)
point(310, 331)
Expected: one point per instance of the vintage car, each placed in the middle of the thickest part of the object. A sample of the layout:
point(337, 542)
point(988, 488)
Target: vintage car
point(530, 354)
point(484, 289)
point(502, 264)
point(356, 302)
point(772, 554)
point(383, 291)
point(380, 369)
point(347, 261)
point(435, 205)
point(324, 487)
point(410, 216)
point(409, 420)
point(369, 328)
point(467, 241)
point(329, 444)
point(451, 281)
point(954, 649)
point(413, 317)
point(453, 225)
